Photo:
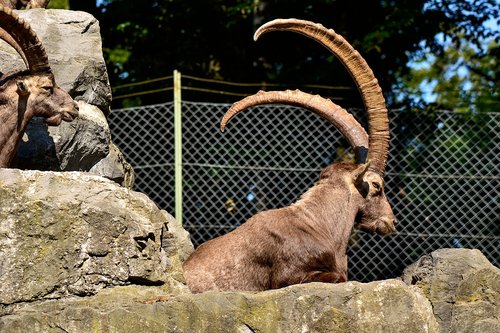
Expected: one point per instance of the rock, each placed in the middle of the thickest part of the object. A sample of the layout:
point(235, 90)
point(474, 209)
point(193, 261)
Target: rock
point(75, 146)
point(115, 167)
point(384, 306)
point(476, 308)
point(64, 234)
point(73, 44)
point(178, 237)
point(463, 287)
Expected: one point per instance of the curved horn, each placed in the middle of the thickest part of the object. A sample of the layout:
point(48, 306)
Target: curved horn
point(4, 35)
point(371, 93)
point(337, 116)
point(17, 33)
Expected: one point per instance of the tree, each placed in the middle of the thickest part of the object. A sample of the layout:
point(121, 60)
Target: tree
point(88, 6)
point(58, 4)
point(463, 79)
point(213, 38)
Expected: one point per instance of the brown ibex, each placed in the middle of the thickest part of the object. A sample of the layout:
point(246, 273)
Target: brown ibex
point(18, 4)
point(307, 241)
point(29, 93)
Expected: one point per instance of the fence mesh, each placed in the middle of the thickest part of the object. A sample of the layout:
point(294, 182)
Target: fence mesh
point(442, 176)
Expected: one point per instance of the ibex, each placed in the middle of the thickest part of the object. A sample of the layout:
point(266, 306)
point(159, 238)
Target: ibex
point(18, 4)
point(29, 93)
point(307, 241)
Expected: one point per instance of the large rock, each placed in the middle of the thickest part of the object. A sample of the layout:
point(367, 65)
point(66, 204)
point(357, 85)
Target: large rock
point(114, 166)
point(463, 287)
point(383, 306)
point(78, 253)
point(64, 234)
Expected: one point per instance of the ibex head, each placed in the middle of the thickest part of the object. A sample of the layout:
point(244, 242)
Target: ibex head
point(28, 93)
point(40, 96)
point(374, 211)
point(36, 87)
point(376, 214)
point(366, 176)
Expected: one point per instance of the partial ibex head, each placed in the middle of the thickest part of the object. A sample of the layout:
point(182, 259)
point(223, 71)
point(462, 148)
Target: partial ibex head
point(375, 213)
point(44, 98)
point(37, 90)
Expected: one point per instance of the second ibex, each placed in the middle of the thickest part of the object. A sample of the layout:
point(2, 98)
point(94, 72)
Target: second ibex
point(29, 93)
point(307, 241)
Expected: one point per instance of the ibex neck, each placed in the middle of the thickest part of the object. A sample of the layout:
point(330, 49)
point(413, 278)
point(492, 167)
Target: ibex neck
point(330, 212)
point(11, 131)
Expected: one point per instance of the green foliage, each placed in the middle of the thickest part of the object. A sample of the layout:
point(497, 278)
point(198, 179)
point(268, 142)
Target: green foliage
point(213, 38)
point(118, 57)
point(462, 79)
point(58, 4)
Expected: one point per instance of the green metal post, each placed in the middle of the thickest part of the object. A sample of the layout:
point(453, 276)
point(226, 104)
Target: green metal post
point(178, 145)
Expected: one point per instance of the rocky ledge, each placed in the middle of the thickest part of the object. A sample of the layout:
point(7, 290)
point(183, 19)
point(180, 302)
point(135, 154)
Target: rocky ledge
point(79, 253)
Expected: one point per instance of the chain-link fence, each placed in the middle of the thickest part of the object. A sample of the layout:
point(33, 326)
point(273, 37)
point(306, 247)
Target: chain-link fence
point(442, 176)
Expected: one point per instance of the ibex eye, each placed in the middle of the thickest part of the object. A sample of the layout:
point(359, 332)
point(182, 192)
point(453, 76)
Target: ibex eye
point(48, 88)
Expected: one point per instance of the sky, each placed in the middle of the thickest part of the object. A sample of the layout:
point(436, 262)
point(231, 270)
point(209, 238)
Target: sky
point(426, 88)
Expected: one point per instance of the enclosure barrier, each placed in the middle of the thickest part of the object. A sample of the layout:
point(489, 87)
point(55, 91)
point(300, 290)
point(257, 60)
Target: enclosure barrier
point(442, 175)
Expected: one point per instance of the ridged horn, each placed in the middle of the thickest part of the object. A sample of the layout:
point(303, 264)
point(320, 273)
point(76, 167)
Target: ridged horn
point(371, 93)
point(337, 116)
point(18, 34)
point(8, 38)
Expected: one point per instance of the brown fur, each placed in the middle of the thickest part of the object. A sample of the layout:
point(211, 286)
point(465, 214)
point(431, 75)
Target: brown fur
point(304, 242)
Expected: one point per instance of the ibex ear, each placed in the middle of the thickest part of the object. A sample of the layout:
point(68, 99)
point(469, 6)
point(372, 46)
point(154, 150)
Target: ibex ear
point(22, 88)
point(359, 172)
point(357, 178)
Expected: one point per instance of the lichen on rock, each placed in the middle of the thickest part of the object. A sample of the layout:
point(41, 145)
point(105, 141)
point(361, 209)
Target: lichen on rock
point(72, 233)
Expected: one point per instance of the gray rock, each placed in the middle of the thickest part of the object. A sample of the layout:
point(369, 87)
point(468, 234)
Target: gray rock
point(72, 233)
point(74, 146)
point(463, 287)
point(383, 306)
point(78, 253)
point(115, 167)
point(177, 238)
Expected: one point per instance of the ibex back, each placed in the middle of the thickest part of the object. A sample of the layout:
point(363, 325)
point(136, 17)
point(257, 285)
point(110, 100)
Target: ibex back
point(307, 241)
